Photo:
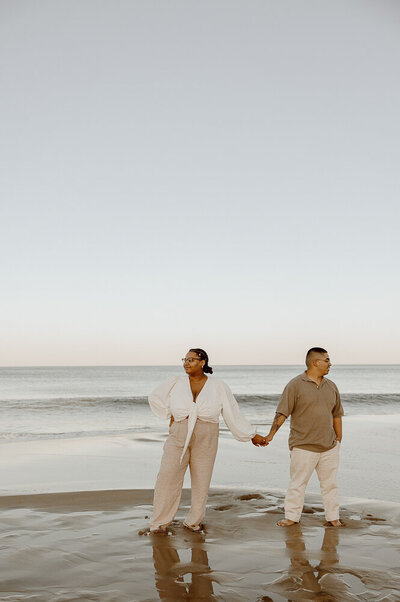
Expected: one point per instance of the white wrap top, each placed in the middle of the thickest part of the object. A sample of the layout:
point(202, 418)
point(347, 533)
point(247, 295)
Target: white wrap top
point(174, 398)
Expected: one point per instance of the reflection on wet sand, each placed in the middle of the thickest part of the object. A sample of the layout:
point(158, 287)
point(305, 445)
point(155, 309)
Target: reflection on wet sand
point(170, 571)
point(306, 581)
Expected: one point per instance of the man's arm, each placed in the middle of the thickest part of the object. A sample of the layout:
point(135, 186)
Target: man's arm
point(337, 426)
point(276, 425)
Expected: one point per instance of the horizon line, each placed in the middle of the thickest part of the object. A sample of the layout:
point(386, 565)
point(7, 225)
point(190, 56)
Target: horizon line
point(179, 365)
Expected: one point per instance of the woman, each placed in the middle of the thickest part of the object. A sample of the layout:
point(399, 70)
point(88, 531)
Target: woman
point(193, 404)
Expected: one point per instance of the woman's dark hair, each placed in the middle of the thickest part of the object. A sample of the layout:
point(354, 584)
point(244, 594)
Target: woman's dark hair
point(203, 356)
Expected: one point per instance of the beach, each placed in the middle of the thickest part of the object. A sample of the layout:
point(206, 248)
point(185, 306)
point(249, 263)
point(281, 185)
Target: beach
point(75, 509)
point(75, 515)
point(197, 192)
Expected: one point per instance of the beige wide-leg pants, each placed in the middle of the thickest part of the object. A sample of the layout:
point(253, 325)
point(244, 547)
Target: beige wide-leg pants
point(200, 456)
point(302, 465)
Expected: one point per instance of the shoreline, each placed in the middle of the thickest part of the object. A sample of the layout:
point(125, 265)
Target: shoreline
point(132, 462)
point(101, 499)
point(114, 499)
point(73, 509)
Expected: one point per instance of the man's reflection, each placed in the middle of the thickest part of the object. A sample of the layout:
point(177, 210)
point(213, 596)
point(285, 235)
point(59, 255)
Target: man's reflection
point(306, 578)
point(169, 571)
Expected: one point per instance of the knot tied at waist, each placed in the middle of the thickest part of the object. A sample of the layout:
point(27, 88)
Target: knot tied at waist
point(191, 424)
point(191, 419)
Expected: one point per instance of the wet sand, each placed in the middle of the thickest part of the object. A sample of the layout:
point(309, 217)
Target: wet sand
point(87, 546)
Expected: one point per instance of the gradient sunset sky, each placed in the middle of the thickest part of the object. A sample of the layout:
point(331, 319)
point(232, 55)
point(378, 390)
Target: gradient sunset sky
point(215, 173)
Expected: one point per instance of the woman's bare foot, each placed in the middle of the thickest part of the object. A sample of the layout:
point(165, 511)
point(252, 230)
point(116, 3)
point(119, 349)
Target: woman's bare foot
point(286, 522)
point(194, 529)
point(335, 523)
point(160, 531)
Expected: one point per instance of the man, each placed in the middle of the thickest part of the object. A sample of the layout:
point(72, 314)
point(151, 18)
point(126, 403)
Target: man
point(313, 404)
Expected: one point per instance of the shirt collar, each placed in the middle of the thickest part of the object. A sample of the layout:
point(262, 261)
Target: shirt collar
point(310, 380)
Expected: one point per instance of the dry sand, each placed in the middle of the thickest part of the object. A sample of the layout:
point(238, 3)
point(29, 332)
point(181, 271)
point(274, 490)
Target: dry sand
point(86, 546)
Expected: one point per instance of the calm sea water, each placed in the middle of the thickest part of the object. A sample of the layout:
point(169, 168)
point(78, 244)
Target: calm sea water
point(81, 401)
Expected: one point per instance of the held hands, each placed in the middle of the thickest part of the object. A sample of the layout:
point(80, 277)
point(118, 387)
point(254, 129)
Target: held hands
point(259, 441)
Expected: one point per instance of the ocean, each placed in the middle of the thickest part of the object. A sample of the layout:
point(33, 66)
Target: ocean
point(65, 402)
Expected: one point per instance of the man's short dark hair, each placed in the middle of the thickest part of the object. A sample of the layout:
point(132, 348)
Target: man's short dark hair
point(313, 350)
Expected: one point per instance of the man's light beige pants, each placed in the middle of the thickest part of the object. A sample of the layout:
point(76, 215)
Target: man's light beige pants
point(200, 457)
point(302, 465)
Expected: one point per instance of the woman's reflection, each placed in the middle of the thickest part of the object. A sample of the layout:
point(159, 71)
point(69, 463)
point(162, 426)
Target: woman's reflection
point(169, 571)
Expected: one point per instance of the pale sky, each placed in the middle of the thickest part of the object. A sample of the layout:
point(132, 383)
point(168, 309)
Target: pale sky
point(215, 173)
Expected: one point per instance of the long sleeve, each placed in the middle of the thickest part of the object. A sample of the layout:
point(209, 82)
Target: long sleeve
point(159, 399)
point(240, 428)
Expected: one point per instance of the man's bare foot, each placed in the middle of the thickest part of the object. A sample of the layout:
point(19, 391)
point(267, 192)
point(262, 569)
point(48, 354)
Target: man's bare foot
point(335, 523)
point(286, 522)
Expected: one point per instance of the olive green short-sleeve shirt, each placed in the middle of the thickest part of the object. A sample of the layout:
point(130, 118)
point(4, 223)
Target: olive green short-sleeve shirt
point(311, 409)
